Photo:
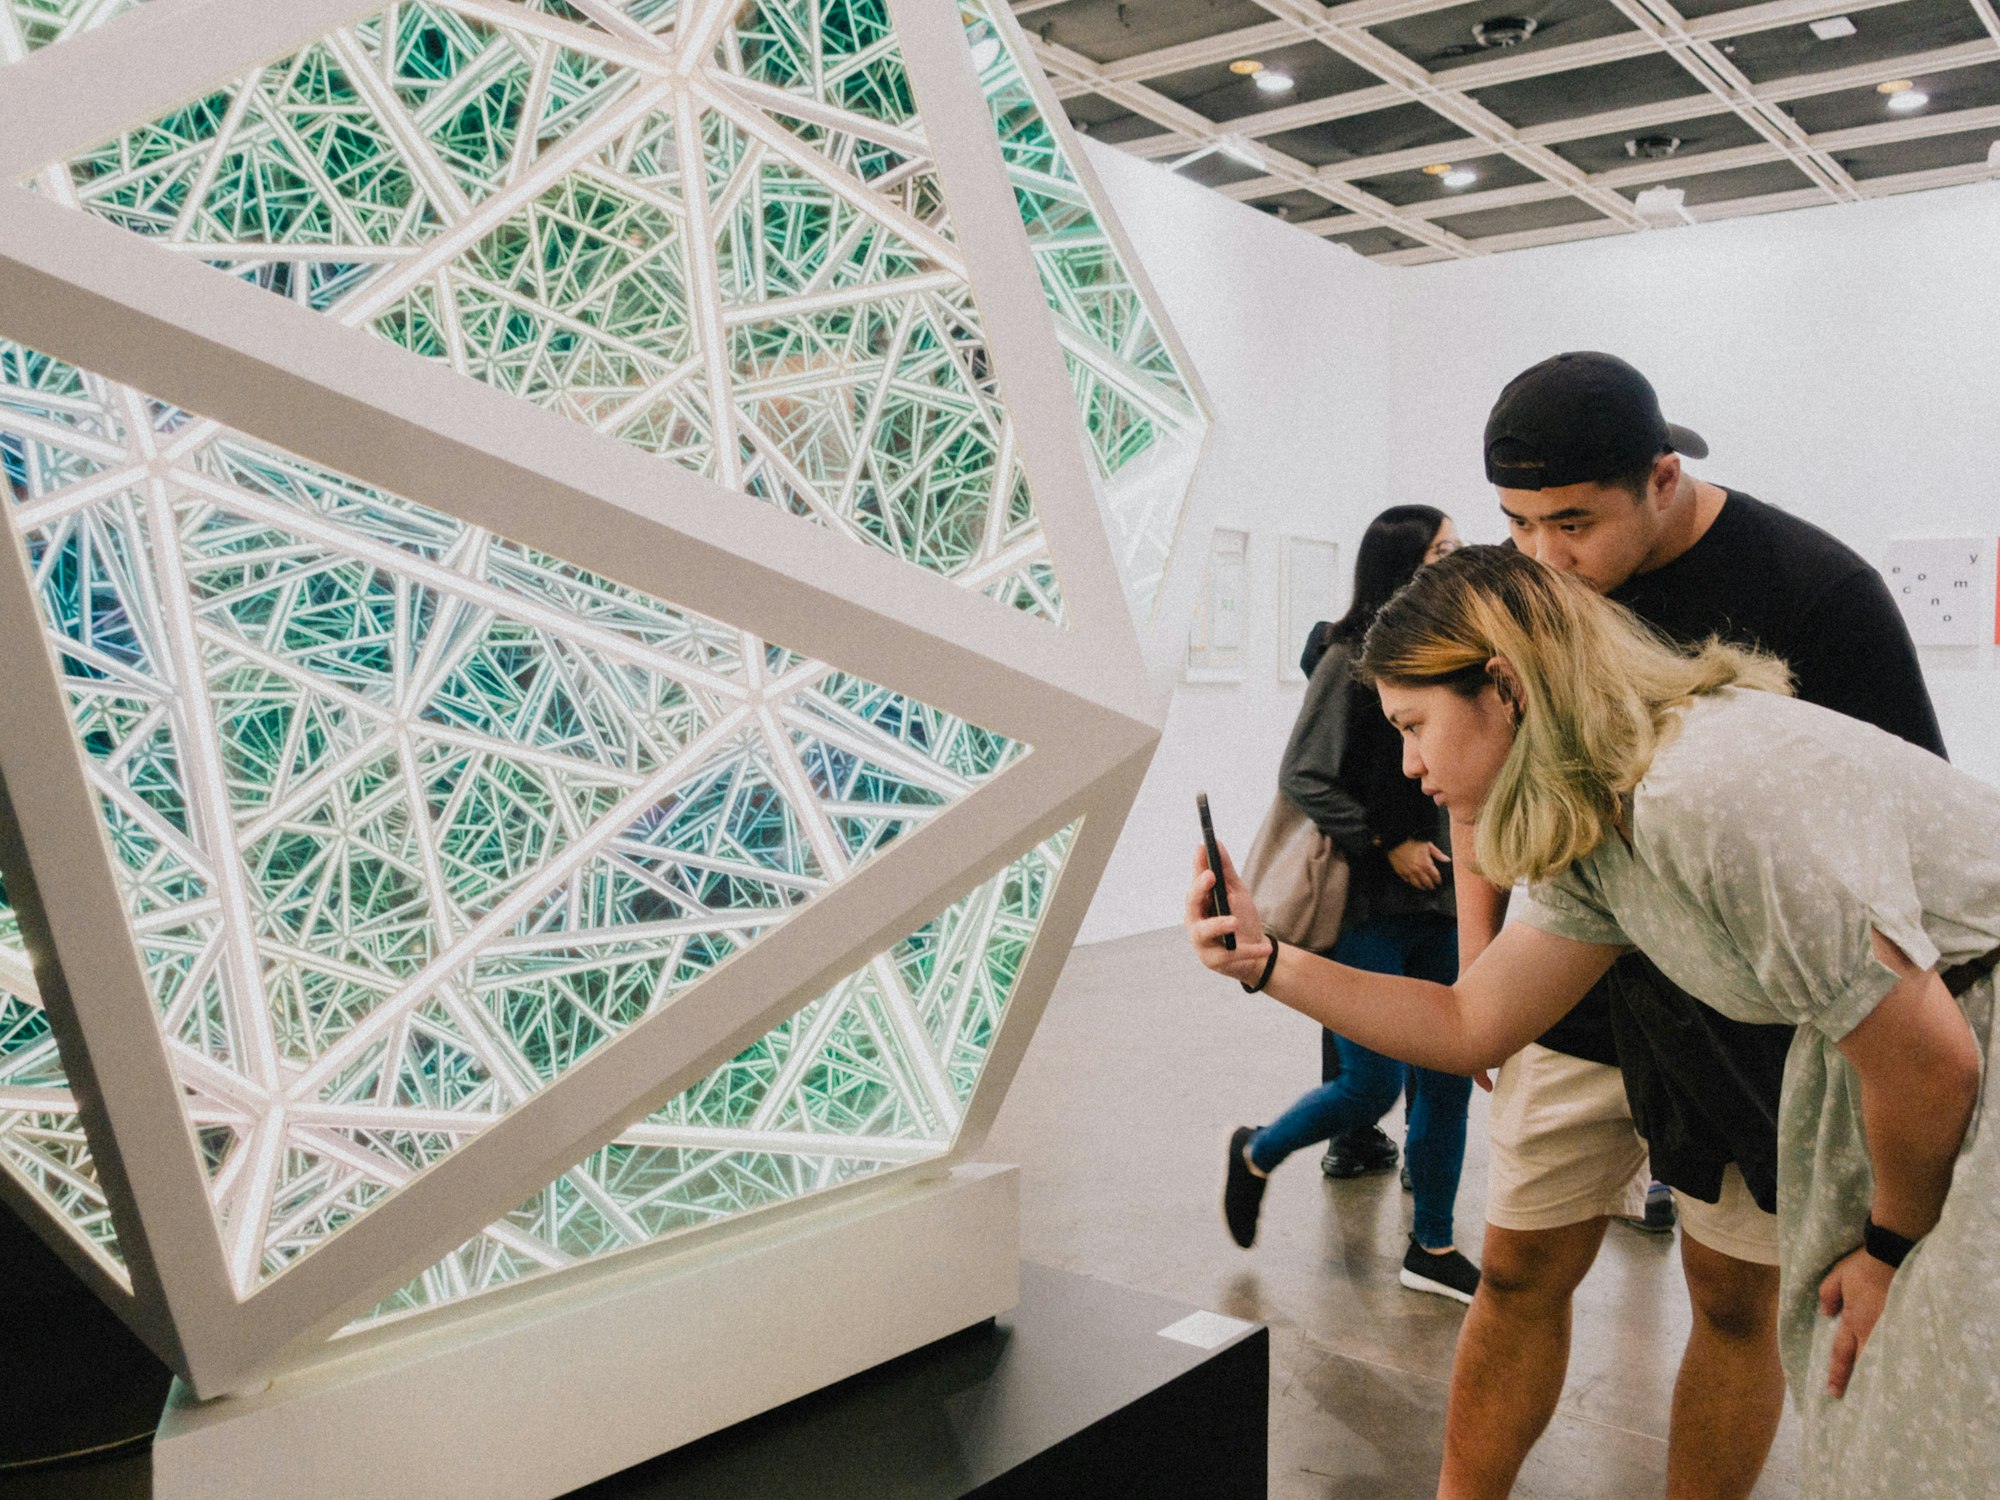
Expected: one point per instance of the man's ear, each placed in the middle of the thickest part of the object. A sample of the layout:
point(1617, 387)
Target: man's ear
point(1665, 479)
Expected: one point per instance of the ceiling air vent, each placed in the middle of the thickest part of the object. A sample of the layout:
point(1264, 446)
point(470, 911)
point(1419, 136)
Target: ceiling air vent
point(1504, 31)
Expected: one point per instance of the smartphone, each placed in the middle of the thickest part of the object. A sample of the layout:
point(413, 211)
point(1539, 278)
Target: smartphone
point(1218, 898)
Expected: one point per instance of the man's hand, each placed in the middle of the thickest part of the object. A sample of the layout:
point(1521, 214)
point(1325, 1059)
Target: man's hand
point(1416, 861)
point(1854, 1291)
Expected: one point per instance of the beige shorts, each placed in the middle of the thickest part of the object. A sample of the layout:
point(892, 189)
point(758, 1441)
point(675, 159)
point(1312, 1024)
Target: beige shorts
point(1564, 1151)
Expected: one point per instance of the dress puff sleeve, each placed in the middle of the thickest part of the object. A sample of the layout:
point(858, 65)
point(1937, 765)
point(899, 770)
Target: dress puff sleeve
point(1567, 907)
point(1795, 854)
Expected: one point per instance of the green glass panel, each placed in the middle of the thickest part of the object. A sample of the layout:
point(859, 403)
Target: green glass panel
point(868, 1077)
point(409, 819)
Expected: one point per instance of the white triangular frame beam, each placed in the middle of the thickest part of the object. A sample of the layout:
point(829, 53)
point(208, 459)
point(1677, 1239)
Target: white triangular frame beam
point(105, 300)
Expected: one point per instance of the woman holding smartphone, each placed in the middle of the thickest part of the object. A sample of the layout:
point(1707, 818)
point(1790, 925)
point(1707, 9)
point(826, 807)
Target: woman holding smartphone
point(1342, 767)
point(1781, 862)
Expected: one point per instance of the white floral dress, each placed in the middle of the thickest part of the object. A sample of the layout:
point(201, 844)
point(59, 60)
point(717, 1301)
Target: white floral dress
point(1765, 842)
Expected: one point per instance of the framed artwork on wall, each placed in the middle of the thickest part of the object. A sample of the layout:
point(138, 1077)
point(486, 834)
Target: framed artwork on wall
point(1216, 640)
point(1942, 586)
point(1308, 574)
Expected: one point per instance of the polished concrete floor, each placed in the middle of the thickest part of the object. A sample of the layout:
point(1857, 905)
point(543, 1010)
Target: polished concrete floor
point(1119, 1118)
point(1142, 1065)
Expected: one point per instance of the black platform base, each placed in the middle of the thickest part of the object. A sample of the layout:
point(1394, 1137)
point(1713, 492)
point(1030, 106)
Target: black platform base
point(74, 1381)
point(1074, 1393)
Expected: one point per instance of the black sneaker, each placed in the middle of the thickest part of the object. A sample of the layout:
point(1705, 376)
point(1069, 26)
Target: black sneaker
point(1360, 1155)
point(1660, 1215)
point(1242, 1190)
point(1447, 1275)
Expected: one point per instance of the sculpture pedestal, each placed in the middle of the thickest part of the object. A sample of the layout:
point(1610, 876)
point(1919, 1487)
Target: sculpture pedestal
point(1084, 1389)
point(546, 1393)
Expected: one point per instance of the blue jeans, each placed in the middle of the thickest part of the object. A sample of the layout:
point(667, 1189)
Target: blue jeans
point(1421, 946)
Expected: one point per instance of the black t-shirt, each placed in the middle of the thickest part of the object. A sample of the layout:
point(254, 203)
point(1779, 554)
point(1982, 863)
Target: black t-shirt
point(1759, 577)
point(1762, 577)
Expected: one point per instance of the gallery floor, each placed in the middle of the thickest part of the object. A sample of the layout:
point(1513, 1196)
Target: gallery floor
point(1141, 1066)
point(1139, 1070)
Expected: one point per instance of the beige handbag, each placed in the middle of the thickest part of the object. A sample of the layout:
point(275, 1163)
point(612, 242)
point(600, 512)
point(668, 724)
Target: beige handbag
point(1296, 878)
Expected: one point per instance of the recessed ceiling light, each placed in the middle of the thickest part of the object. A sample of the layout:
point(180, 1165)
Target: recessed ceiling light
point(1460, 177)
point(1243, 67)
point(1271, 81)
point(1832, 28)
point(1437, 168)
point(1894, 86)
point(1908, 100)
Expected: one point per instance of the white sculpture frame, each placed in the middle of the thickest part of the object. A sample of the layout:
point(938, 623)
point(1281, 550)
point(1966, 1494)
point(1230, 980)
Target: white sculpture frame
point(96, 296)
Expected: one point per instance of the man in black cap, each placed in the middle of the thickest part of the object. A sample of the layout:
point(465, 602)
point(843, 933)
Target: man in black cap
point(1590, 479)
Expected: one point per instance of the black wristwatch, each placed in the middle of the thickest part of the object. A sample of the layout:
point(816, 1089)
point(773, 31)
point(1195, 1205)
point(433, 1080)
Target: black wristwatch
point(1887, 1246)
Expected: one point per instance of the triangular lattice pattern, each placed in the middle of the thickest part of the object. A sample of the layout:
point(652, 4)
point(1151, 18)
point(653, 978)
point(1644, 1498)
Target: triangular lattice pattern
point(869, 1076)
point(408, 818)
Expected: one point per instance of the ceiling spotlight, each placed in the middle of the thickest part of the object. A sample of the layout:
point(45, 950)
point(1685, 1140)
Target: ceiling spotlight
point(1652, 147)
point(1895, 86)
point(1832, 28)
point(1907, 100)
point(1243, 67)
point(1437, 169)
point(1460, 177)
point(1271, 81)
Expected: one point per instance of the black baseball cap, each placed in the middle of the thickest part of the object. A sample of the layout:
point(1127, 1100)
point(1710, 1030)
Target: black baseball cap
point(1579, 418)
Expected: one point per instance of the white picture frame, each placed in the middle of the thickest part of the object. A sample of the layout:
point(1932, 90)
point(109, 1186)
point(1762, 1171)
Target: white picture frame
point(1219, 635)
point(1308, 582)
point(1944, 588)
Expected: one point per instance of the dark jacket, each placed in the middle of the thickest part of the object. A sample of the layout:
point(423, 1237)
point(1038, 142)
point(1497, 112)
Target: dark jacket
point(1343, 768)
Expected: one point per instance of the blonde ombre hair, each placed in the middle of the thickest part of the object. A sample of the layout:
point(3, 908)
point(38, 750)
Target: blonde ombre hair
point(1599, 688)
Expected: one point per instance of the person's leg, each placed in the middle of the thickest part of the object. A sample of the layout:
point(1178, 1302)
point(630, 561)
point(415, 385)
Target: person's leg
point(1563, 1158)
point(1438, 1101)
point(1361, 1095)
point(1363, 1150)
point(1731, 1391)
point(1512, 1354)
point(1437, 1153)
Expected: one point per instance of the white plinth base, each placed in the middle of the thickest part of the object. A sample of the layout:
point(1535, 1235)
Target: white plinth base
point(554, 1391)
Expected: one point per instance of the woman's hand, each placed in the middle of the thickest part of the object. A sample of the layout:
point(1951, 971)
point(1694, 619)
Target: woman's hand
point(1245, 962)
point(1854, 1291)
point(1415, 862)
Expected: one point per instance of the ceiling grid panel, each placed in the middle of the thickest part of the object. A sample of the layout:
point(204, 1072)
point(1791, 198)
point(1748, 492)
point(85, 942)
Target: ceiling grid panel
point(1559, 114)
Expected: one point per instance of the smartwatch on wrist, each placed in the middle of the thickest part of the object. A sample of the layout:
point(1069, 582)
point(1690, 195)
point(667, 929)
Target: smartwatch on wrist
point(1887, 1246)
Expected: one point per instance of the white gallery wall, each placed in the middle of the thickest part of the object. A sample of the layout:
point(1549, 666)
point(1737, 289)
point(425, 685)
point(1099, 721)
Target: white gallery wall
point(1291, 338)
point(1843, 363)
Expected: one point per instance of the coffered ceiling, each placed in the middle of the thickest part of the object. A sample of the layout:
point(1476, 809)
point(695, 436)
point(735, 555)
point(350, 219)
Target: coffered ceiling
point(1552, 116)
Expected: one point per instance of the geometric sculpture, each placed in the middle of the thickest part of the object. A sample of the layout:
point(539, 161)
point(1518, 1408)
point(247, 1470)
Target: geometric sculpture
point(572, 578)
